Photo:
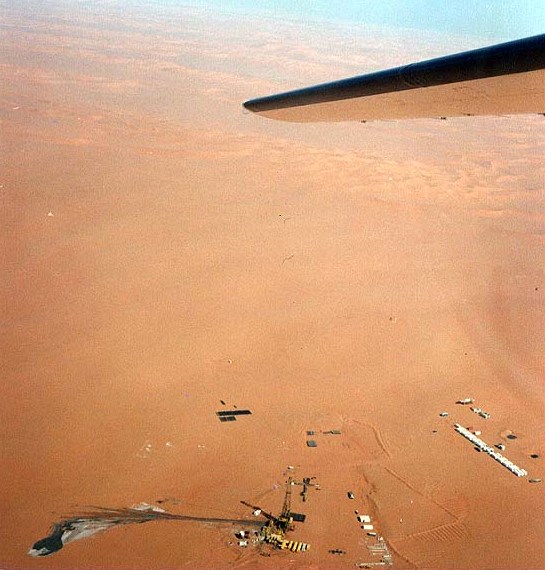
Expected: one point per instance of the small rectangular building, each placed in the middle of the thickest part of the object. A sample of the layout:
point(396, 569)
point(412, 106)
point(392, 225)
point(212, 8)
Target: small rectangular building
point(298, 517)
point(233, 413)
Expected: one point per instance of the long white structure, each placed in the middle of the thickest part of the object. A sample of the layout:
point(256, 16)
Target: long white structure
point(519, 472)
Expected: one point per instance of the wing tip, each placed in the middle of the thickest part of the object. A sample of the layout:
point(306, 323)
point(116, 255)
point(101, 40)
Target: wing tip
point(252, 105)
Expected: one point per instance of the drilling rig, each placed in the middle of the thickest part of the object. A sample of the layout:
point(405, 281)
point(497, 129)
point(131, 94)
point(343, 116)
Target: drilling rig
point(276, 527)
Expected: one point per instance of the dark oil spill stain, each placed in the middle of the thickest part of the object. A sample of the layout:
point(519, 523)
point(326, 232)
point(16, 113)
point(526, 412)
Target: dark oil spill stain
point(102, 519)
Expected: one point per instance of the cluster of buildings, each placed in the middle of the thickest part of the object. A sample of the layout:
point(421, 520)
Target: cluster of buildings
point(365, 521)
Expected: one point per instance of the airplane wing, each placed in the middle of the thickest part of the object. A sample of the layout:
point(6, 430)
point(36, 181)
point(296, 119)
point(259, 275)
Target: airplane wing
point(507, 78)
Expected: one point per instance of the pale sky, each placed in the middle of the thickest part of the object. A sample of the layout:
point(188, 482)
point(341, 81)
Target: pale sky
point(497, 20)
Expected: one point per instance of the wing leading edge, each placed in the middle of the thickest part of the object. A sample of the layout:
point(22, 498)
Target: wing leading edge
point(507, 78)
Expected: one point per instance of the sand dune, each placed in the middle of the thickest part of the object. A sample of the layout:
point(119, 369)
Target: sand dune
point(163, 252)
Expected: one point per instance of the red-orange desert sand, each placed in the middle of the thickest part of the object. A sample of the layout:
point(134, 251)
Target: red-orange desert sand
point(163, 251)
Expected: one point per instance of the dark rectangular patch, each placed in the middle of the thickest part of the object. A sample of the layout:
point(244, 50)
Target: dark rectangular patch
point(227, 419)
point(233, 413)
point(298, 517)
point(312, 443)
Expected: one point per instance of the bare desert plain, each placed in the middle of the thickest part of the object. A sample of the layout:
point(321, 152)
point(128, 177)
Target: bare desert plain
point(166, 255)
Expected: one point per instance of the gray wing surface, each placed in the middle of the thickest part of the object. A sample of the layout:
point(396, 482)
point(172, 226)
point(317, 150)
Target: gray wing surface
point(503, 79)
